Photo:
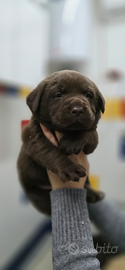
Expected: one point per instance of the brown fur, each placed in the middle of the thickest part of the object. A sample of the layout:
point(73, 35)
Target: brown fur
point(68, 102)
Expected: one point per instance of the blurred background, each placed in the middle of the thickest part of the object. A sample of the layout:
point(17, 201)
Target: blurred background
point(38, 37)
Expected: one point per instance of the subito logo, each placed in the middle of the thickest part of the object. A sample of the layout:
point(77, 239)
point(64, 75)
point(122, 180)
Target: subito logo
point(73, 249)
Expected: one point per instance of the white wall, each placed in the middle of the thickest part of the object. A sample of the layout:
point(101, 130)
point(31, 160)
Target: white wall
point(107, 52)
point(23, 41)
point(23, 52)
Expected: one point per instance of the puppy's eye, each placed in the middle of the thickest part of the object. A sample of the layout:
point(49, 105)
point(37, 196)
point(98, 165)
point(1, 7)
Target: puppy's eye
point(58, 95)
point(89, 95)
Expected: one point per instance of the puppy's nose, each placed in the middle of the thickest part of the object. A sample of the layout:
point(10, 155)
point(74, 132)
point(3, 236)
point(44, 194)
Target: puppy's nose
point(76, 110)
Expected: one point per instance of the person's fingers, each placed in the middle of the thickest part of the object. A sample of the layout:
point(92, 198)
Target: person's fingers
point(49, 135)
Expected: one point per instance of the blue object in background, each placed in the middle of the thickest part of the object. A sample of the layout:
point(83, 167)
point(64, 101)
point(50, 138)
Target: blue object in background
point(11, 90)
point(24, 199)
point(122, 146)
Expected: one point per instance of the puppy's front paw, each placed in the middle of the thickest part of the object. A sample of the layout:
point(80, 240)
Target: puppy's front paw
point(69, 147)
point(72, 173)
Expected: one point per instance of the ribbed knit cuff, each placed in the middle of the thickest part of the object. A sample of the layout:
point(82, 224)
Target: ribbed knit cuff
point(72, 244)
point(70, 220)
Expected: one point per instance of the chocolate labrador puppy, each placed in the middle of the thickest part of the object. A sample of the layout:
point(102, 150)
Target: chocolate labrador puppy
point(70, 103)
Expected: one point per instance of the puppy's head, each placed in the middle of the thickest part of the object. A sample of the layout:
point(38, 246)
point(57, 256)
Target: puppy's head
point(67, 100)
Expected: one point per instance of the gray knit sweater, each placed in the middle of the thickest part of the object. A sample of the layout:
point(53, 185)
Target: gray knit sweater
point(72, 244)
point(110, 220)
point(71, 234)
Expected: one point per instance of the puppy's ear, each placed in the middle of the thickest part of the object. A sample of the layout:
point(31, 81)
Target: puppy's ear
point(34, 98)
point(101, 101)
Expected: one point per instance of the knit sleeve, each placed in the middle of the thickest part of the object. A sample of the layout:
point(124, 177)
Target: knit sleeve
point(110, 220)
point(72, 244)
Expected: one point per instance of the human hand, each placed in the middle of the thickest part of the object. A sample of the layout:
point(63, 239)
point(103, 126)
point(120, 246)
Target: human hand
point(81, 159)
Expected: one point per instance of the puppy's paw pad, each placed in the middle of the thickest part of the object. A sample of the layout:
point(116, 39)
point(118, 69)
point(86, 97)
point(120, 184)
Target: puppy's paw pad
point(72, 173)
